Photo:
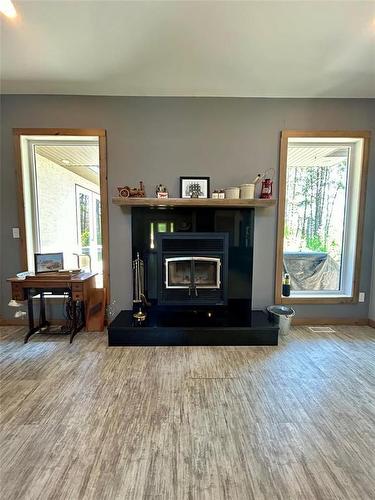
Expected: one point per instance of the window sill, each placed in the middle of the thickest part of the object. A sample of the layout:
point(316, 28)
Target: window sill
point(326, 299)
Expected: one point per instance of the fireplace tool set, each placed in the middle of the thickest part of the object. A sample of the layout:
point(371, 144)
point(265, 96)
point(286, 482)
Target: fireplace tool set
point(139, 298)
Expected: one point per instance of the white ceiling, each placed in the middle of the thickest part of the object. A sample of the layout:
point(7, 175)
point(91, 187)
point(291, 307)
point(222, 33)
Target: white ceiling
point(315, 156)
point(197, 48)
point(80, 155)
point(82, 159)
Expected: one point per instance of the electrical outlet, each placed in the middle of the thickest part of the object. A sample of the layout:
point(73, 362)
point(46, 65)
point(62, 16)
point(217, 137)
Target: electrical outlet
point(361, 297)
point(16, 232)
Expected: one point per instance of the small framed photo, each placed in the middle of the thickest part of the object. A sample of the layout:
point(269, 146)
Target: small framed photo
point(48, 262)
point(194, 187)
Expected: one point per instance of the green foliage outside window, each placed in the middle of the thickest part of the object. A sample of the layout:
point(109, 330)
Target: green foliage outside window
point(312, 219)
point(84, 219)
point(85, 238)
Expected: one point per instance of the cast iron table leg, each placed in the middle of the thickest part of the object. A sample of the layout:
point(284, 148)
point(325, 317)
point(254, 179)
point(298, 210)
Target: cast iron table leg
point(30, 312)
point(74, 324)
point(78, 323)
point(43, 322)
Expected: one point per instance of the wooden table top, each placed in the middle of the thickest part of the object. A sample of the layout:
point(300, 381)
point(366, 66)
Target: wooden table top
point(53, 277)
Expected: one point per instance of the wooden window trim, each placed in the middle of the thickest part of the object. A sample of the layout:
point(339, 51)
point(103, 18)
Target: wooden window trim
point(285, 135)
point(102, 137)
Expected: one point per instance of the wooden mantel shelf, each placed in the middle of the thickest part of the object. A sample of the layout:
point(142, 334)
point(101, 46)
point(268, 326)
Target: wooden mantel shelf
point(189, 202)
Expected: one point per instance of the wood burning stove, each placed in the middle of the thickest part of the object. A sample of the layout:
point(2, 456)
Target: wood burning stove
point(192, 268)
point(198, 279)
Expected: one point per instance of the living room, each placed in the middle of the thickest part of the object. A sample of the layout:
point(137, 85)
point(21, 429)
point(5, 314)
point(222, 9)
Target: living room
point(250, 126)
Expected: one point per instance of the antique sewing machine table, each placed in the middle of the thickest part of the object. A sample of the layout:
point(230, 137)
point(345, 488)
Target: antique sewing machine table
point(77, 286)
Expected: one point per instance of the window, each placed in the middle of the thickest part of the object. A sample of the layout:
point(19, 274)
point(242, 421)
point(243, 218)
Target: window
point(159, 227)
point(89, 239)
point(60, 185)
point(321, 206)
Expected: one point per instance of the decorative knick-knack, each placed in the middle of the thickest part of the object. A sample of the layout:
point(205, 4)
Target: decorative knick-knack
point(286, 285)
point(161, 191)
point(132, 192)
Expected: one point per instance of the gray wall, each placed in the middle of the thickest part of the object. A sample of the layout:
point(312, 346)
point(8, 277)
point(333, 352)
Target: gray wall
point(159, 139)
point(371, 311)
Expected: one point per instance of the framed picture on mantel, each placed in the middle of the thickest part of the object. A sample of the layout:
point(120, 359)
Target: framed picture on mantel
point(194, 187)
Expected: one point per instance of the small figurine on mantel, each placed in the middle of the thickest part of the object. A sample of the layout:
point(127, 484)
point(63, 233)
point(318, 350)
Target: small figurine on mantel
point(132, 192)
point(161, 191)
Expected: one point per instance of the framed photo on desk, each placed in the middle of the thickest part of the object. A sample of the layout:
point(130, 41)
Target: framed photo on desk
point(48, 262)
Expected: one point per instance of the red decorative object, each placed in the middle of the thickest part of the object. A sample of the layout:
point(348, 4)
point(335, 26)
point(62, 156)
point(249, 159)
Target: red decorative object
point(129, 192)
point(162, 195)
point(266, 192)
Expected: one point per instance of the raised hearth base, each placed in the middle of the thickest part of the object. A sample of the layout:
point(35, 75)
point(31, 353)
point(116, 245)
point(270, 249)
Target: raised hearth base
point(192, 328)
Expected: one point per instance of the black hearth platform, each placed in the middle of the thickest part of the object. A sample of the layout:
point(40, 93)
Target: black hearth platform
point(194, 328)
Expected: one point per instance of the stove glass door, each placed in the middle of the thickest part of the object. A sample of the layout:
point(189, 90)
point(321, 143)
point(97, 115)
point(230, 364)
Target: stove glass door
point(192, 272)
point(178, 272)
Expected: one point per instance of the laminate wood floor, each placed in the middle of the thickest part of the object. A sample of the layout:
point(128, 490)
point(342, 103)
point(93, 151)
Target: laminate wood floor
point(85, 421)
